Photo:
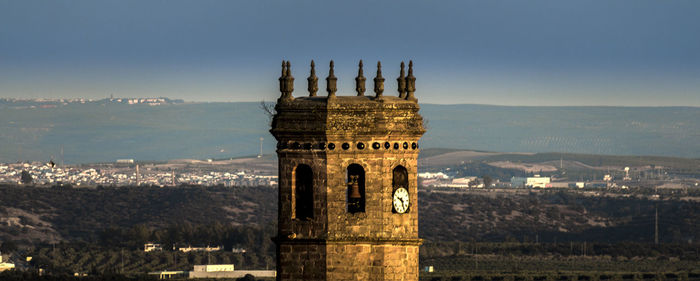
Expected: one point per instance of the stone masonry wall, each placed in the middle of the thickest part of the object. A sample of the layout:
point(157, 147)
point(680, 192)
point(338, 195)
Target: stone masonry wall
point(314, 228)
point(364, 261)
point(329, 135)
point(302, 261)
point(378, 221)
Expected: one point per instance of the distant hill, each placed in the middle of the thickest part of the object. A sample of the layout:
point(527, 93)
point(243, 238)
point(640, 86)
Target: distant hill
point(103, 229)
point(663, 131)
point(29, 215)
point(103, 132)
point(432, 159)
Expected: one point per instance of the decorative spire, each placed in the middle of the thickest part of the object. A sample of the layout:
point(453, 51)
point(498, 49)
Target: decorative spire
point(410, 83)
point(379, 81)
point(313, 80)
point(282, 79)
point(331, 82)
point(286, 82)
point(289, 79)
point(360, 82)
point(402, 82)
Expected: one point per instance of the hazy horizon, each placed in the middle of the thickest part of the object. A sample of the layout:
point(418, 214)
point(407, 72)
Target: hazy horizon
point(428, 103)
point(97, 132)
point(535, 53)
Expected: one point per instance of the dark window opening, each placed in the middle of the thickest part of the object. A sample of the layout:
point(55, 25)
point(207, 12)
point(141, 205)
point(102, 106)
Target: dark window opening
point(356, 189)
point(303, 192)
point(399, 179)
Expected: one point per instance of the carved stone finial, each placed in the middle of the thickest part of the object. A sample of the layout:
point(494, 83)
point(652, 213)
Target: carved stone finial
point(410, 83)
point(285, 87)
point(402, 82)
point(313, 81)
point(331, 82)
point(360, 82)
point(284, 71)
point(289, 80)
point(282, 82)
point(379, 81)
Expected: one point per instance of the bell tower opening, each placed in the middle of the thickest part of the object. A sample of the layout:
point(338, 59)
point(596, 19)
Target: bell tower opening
point(356, 189)
point(400, 177)
point(303, 193)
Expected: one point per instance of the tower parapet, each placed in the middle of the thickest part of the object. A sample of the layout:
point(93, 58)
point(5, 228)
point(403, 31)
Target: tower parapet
point(406, 84)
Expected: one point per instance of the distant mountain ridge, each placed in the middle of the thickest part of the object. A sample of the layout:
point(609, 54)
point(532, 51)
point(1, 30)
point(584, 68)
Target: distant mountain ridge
point(662, 131)
point(103, 132)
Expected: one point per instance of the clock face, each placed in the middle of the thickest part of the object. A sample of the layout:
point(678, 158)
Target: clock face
point(401, 200)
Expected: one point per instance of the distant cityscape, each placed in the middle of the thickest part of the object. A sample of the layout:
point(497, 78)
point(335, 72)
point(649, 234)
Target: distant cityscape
point(126, 173)
point(447, 179)
point(17, 103)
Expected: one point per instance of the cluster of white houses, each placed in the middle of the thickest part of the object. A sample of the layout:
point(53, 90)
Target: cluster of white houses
point(50, 174)
point(213, 271)
point(440, 179)
point(5, 265)
point(152, 247)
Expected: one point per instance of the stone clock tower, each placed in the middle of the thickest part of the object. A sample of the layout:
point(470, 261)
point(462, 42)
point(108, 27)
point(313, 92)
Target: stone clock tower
point(347, 180)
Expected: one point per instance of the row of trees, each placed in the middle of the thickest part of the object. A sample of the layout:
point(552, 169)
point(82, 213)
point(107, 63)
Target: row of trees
point(91, 260)
point(251, 238)
point(628, 250)
point(560, 276)
point(12, 275)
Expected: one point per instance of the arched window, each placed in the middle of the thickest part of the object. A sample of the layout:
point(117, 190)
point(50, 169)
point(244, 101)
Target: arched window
point(302, 192)
point(399, 179)
point(356, 189)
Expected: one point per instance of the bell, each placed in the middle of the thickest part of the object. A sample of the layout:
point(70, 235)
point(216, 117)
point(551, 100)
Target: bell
point(355, 188)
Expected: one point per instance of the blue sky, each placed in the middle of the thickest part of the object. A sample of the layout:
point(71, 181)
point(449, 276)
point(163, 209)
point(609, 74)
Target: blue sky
point(629, 53)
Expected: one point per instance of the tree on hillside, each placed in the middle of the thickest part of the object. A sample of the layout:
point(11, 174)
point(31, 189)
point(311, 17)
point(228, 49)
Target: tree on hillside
point(487, 181)
point(8, 247)
point(247, 277)
point(26, 178)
